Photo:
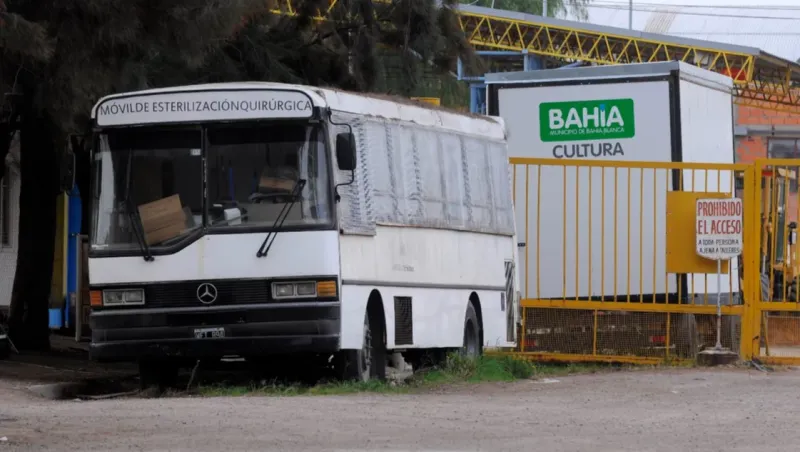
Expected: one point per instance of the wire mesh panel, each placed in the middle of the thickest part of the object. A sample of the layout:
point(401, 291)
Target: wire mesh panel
point(624, 335)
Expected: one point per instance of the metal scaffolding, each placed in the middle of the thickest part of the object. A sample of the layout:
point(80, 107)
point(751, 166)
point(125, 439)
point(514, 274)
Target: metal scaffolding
point(761, 80)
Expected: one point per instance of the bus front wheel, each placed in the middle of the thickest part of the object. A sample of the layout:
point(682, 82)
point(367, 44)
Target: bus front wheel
point(369, 362)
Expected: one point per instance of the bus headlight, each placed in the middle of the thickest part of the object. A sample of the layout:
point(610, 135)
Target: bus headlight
point(306, 289)
point(303, 289)
point(119, 297)
point(283, 290)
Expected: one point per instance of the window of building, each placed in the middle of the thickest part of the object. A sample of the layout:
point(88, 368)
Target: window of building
point(785, 148)
point(5, 209)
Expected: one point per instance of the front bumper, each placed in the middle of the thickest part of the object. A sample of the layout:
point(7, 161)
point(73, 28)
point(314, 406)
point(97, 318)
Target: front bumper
point(250, 330)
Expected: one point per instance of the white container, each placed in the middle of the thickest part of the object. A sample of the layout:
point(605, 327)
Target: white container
point(655, 112)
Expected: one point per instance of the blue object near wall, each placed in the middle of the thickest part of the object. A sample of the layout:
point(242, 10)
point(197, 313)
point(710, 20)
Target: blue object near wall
point(74, 233)
point(61, 317)
point(477, 98)
point(56, 316)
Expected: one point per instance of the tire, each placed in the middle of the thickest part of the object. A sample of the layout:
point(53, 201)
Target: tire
point(472, 346)
point(369, 362)
point(158, 373)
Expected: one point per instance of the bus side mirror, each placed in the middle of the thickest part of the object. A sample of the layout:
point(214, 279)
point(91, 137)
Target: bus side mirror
point(346, 151)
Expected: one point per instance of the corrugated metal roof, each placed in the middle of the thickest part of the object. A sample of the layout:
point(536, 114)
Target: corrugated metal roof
point(774, 31)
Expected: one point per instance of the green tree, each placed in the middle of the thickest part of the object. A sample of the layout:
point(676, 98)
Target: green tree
point(555, 8)
point(57, 57)
point(349, 51)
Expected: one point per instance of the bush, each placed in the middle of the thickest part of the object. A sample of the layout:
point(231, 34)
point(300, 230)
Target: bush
point(518, 368)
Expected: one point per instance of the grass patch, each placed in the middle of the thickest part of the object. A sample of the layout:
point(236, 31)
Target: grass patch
point(456, 370)
point(484, 369)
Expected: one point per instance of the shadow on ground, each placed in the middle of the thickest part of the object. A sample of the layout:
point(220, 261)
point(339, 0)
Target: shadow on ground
point(65, 372)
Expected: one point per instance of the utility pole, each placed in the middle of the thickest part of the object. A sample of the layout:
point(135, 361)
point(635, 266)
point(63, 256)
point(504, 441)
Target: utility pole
point(544, 8)
point(630, 14)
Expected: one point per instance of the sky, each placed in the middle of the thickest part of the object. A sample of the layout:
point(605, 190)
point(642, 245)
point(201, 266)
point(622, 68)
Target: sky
point(770, 25)
point(746, 3)
point(763, 7)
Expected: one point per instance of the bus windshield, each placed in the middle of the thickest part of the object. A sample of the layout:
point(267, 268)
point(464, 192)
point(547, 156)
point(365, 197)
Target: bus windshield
point(251, 172)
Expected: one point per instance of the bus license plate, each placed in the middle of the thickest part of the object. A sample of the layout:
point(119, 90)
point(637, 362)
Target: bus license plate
point(209, 333)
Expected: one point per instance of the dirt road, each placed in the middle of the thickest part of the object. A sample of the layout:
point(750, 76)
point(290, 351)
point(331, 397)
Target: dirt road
point(676, 410)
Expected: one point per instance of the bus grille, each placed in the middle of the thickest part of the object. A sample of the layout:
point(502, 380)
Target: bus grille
point(184, 294)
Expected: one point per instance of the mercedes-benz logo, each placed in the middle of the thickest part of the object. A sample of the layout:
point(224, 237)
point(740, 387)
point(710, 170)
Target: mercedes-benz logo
point(207, 293)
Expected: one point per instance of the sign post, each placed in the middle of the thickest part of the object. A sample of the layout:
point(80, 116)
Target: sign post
point(718, 234)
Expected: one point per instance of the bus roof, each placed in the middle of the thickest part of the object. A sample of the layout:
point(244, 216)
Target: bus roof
point(374, 105)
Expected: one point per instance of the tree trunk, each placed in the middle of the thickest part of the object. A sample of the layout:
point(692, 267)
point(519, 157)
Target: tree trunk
point(5, 144)
point(28, 320)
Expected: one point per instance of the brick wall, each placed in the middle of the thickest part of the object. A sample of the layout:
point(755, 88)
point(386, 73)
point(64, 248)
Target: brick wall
point(753, 147)
point(750, 148)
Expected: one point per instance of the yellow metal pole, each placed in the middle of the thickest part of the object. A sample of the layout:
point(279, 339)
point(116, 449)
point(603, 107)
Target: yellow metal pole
point(538, 228)
point(785, 235)
point(564, 235)
point(577, 230)
point(705, 276)
point(628, 241)
point(603, 234)
point(591, 207)
point(655, 231)
point(641, 235)
point(751, 328)
point(616, 228)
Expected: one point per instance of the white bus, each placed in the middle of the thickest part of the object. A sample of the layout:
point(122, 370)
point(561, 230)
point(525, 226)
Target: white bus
point(255, 219)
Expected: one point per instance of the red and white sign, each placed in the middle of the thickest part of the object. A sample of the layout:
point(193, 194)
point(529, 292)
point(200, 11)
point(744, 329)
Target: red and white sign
point(718, 228)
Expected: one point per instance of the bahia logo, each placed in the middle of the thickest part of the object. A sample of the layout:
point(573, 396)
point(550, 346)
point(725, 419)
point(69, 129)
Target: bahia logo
point(609, 119)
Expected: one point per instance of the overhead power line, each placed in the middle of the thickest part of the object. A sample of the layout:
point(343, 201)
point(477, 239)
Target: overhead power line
point(730, 33)
point(625, 3)
point(689, 13)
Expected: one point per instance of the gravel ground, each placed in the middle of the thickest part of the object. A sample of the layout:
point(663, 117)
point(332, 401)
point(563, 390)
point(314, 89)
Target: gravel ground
point(671, 410)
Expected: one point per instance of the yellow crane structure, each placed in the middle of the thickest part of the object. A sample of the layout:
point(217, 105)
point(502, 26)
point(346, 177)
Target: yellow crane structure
point(761, 80)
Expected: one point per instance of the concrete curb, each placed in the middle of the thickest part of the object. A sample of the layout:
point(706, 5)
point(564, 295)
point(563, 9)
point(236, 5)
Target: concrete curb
point(710, 358)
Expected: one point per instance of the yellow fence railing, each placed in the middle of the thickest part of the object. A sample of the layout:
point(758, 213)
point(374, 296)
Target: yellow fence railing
point(609, 270)
point(776, 276)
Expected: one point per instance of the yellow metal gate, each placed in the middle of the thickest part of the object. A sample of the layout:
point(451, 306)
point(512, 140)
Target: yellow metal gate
point(772, 321)
point(608, 269)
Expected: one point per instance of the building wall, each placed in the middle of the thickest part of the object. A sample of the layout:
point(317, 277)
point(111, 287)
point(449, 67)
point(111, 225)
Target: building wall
point(8, 248)
point(756, 146)
point(771, 134)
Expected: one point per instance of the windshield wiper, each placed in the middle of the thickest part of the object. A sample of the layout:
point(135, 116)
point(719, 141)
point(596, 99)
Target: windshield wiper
point(267, 244)
point(133, 214)
point(138, 231)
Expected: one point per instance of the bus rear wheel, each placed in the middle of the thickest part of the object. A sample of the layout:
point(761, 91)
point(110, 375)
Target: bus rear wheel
point(472, 347)
point(369, 362)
